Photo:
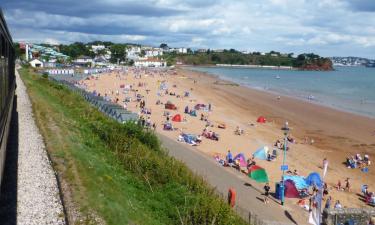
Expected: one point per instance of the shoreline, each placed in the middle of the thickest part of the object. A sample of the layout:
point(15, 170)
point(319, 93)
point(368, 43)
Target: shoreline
point(315, 102)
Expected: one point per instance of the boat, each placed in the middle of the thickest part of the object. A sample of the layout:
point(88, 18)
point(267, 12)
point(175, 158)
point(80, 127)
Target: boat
point(277, 77)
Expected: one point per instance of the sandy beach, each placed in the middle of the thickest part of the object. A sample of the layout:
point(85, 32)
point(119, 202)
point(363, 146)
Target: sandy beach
point(336, 134)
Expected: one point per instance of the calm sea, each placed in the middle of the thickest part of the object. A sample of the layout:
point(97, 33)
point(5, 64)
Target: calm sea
point(349, 89)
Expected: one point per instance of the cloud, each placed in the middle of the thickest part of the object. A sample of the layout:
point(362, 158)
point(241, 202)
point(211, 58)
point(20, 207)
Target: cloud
point(85, 8)
point(362, 5)
point(327, 27)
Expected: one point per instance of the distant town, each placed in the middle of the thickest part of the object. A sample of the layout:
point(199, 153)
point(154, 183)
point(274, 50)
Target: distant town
point(352, 61)
point(100, 54)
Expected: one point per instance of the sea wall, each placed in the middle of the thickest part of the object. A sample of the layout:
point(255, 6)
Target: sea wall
point(343, 216)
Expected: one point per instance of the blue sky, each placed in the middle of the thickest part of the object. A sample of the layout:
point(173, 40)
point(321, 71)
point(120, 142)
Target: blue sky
point(326, 27)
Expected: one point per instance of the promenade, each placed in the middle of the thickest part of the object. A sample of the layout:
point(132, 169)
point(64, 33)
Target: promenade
point(249, 200)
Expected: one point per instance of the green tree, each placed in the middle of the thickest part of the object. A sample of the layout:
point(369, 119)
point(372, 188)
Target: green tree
point(163, 45)
point(101, 52)
point(118, 53)
point(17, 50)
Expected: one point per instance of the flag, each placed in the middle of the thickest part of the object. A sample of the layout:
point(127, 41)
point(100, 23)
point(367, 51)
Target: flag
point(312, 218)
point(325, 168)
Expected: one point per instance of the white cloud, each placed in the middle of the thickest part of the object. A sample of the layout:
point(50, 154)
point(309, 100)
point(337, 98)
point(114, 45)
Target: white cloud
point(326, 27)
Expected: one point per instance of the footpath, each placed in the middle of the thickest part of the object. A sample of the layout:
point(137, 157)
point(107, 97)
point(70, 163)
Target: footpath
point(249, 200)
point(30, 193)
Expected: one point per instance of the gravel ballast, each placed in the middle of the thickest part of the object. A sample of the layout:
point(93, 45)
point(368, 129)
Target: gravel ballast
point(38, 199)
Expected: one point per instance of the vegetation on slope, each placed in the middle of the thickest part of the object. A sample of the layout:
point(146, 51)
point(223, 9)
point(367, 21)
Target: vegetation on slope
point(302, 61)
point(118, 171)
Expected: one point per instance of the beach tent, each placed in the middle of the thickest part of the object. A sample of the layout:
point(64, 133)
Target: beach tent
point(170, 105)
point(291, 190)
point(199, 106)
point(193, 113)
point(258, 174)
point(163, 86)
point(261, 119)
point(314, 179)
point(242, 159)
point(261, 153)
point(177, 118)
point(168, 126)
point(299, 181)
point(188, 138)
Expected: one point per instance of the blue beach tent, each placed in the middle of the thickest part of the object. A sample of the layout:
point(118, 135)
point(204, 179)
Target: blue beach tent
point(299, 182)
point(314, 179)
point(261, 153)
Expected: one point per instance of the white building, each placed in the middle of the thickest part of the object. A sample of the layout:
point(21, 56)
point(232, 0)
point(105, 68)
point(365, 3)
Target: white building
point(96, 48)
point(83, 61)
point(153, 52)
point(133, 52)
point(150, 62)
point(182, 50)
point(218, 50)
point(36, 63)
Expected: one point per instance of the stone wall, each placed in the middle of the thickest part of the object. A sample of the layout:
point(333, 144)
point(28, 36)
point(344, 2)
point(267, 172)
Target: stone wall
point(343, 216)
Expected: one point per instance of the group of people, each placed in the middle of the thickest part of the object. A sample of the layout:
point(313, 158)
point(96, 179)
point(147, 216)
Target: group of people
point(358, 162)
point(210, 134)
point(369, 196)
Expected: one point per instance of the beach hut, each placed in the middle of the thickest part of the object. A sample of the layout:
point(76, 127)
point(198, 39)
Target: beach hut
point(258, 174)
point(177, 118)
point(261, 153)
point(261, 119)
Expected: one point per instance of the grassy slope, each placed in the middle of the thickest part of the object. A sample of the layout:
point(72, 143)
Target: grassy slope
point(118, 171)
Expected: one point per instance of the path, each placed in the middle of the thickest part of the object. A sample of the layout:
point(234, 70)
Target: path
point(30, 194)
point(249, 195)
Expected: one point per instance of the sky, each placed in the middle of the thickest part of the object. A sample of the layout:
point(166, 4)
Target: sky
point(324, 27)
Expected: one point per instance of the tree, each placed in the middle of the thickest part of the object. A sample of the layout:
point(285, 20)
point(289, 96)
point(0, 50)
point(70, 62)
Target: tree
point(17, 50)
point(118, 53)
point(163, 46)
point(143, 53)
point(101, 52)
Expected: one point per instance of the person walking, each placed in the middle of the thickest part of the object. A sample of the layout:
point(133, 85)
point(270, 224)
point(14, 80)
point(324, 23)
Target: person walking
point(266, 193)
point(328, 202)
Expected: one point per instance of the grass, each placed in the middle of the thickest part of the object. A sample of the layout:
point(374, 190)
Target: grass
point(118, 172)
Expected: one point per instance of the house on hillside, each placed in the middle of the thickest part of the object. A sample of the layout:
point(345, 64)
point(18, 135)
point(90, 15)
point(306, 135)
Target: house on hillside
point(153, 52)
point(85, 61)
point(36, 63)
point(96, 48)
point(100, 61)
point(133, 53)
point(50, 63)
point(150, 62)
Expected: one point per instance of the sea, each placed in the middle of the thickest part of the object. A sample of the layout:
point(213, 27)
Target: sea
point(350, 89)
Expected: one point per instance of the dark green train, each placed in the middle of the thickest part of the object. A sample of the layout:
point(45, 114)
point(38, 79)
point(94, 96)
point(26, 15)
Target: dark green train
point(7, 87)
